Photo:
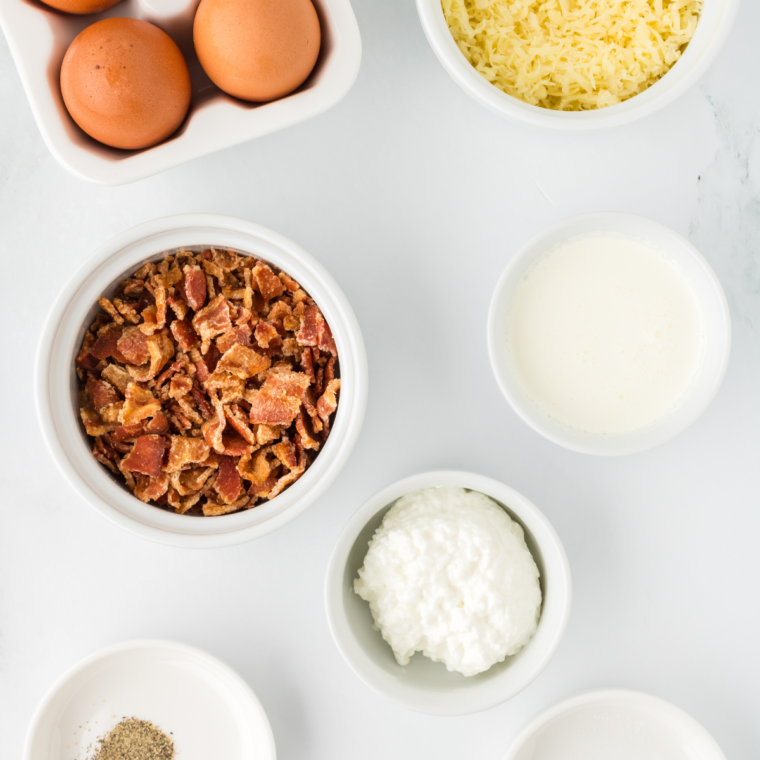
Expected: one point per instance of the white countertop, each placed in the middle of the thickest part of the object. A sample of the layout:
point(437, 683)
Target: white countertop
point(415, 198)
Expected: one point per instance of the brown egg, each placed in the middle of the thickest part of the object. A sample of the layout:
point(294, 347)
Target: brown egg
point(81, 7)
point(125, 83)
point(257, 49)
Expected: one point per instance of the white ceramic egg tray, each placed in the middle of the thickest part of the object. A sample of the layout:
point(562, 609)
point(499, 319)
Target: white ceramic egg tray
point(39, 36)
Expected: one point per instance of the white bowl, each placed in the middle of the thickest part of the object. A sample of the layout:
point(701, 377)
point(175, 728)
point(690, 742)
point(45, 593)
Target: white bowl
point(714, 25)
point(38, 38)
point(424, 685)
point(716, 345)
point(614, 724)
point(209, 710)
point(56, 380)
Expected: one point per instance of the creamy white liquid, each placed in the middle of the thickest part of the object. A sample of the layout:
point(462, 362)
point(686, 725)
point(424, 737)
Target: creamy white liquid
point(605, 334)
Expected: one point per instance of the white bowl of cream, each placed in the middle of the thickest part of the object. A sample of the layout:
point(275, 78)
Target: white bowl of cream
point(609, 334)
point(422, 684)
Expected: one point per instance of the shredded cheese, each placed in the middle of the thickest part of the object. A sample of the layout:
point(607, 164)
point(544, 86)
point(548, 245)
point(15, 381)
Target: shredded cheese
point(572, 55)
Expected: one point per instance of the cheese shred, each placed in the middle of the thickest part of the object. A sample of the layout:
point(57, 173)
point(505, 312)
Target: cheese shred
point(572, 55)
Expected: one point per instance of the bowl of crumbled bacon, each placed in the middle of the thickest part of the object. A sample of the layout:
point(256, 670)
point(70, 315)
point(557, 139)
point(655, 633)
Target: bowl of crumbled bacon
point(201, 380)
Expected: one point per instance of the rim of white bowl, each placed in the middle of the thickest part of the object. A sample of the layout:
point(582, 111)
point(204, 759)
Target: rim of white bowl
point(666, 709)
point(475, 697)
point(215, 664)
point(61, 335)
point(714, 26)
point(669, 426)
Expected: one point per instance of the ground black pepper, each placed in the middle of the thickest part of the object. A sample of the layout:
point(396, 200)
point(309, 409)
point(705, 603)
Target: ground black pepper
point(135, 739)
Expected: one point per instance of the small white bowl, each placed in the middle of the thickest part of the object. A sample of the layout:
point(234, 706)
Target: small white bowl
point(39, 36)
point(57, 384)
point(715, 23)
point(424, 685)
point(209, 710)
point(715, 314)
point(615, 724)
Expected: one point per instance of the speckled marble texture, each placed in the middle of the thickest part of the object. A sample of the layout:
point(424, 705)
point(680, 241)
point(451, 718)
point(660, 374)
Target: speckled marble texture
point(415, 198)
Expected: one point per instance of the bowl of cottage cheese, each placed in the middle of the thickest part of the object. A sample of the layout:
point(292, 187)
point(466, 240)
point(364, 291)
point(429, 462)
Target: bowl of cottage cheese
point(448, 592)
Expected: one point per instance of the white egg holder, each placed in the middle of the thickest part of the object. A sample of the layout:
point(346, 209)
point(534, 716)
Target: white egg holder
point(39, 36)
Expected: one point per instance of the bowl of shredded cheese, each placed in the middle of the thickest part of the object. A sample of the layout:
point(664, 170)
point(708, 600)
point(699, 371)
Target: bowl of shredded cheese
point(576, 64)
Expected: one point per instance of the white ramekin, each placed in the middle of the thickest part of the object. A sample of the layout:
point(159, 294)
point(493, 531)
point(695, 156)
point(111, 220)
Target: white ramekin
point(716, 345)
point(38, 38)
point(56, 380)
point(714, 25)
point(613, 723)
point(210, 710)
point(424, 685)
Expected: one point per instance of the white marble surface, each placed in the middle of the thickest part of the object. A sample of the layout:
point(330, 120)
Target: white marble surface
point(415, 198)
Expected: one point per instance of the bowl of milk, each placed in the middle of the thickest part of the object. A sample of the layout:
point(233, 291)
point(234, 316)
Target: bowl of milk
point(609, 333)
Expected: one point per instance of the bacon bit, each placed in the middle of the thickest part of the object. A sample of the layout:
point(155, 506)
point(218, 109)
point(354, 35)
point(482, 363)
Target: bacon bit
point(232, 387)
point(319, 385)
point(285, 451)
point(262, 491)
point(166, 374)
point(139, 404)
point(308, 335)
point(214, 428)
point(325, 340)
point(147, 269)
point(127, 310)
point(289, 282)
point(303, 426)
point(133, 345)
point(105, 344)
point(211, 509)
point(193, 287)
point(228, 482)
point(328, 401)
point(104, 456)
point(190, 481)
point(107, 306)
point(146, 455)
point(189, 410)
point(243, 362)
point(267, 433)
point(94, 424)
point(155, 316)
point(117, 376)
point(178, 306)
point(158, 424)
point(330, 370)
point(286, 384)
point(267, 409)
point(211, 321)
point(151, 488)
point(183, 333)
point(146, 298)
point(269, 283)
point(235, 445)
point(180, 385)
point(307, 364)
point(265, 334)
point(168, 280)
point(101, 393)
point(133, 288)
point(184, 450)
point(238, 422)
point(285, 481)
point(239, 334)
point(256, 469)
point(129, 432)
point(248, 295)
point(213, 355)
point(203, 405)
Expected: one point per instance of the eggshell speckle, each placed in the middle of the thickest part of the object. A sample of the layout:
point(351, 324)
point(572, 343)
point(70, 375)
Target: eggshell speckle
point(257, 50)
point(126, 83)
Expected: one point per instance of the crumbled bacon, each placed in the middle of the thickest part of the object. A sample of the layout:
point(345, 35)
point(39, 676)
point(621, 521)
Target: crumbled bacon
point(146, 456)
point(208, 382)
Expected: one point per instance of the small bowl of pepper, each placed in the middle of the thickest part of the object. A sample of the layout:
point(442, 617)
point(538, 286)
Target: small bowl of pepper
point(150, 699)
point(201, 380)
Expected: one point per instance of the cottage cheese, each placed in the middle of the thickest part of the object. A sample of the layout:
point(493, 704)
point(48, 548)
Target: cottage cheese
point(448, 574)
